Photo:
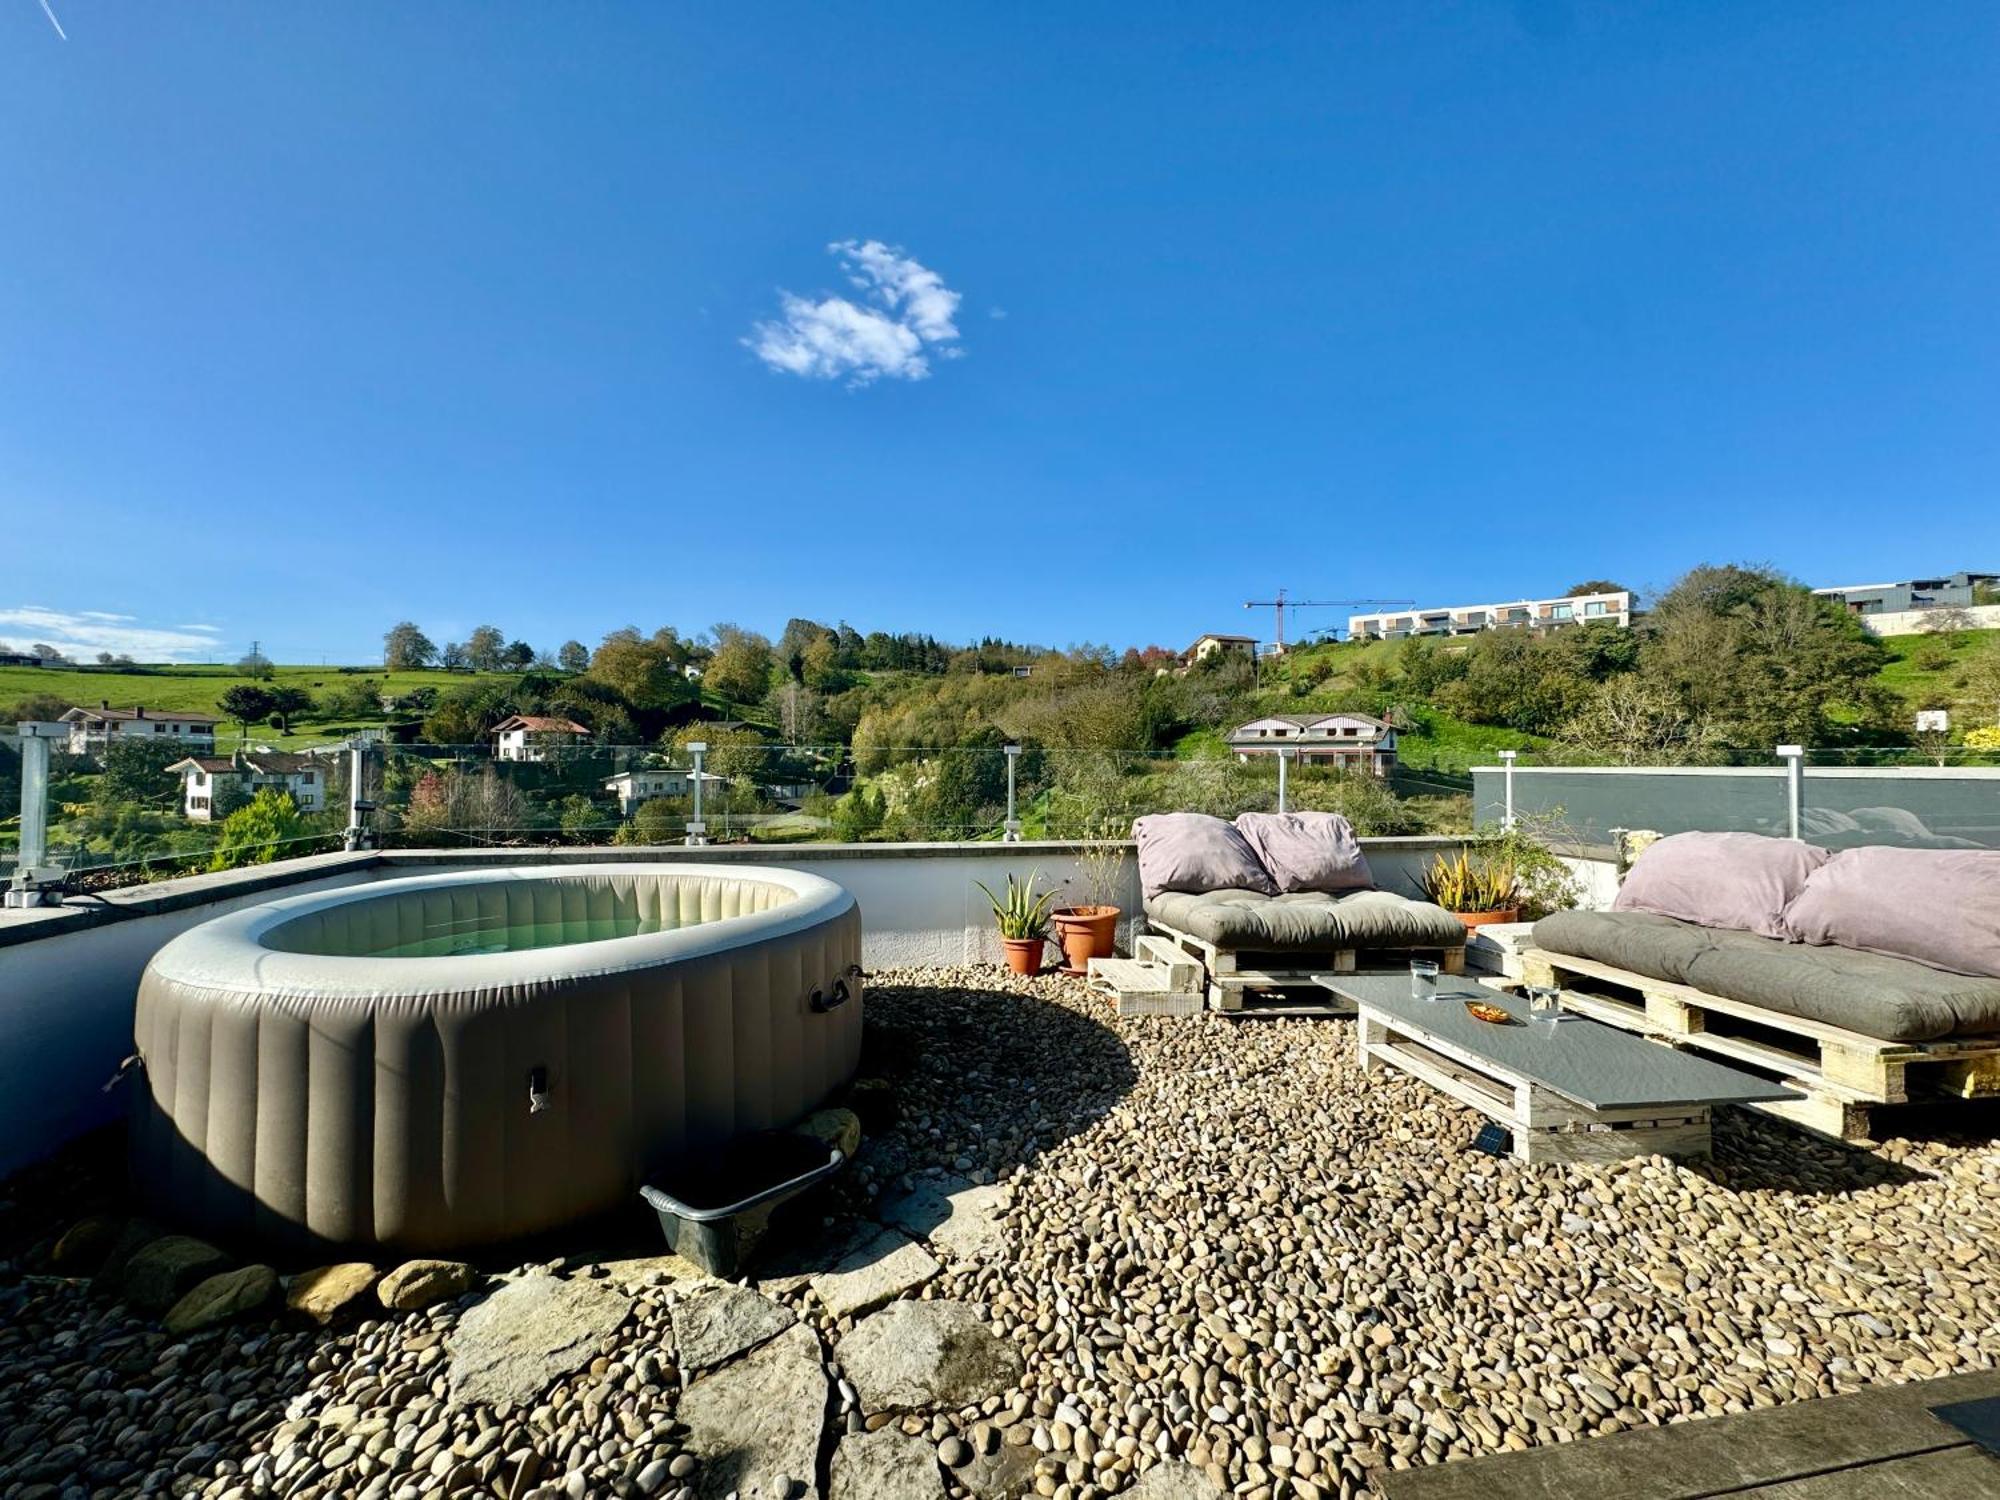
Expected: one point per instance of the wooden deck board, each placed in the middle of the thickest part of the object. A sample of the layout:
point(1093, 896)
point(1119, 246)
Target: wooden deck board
point(1877, 1442)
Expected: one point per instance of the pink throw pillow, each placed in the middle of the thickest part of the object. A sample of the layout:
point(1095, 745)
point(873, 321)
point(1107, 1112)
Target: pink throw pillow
point(1307, 851)
point(1742, 881)
point(1940, 907)
point(1194, 852)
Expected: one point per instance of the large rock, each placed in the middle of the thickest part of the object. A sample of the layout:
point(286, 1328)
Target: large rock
point(833, 1127)
point(885, 1465)
point(882, 1267)
point(85, 1245)
point(1173, 1480)
point(506, 1349)
point(326, 1292)
point(927, 1354)
point(958, 1218)
point(220, 1298)
point(755, 1425)
point(417, 1284)
point(134, 1237)
point(164, 1270)
point(720, 1322)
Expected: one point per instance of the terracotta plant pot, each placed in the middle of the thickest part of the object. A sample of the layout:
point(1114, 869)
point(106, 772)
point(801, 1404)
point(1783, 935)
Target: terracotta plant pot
point(1086, 932)
point(1473, 919)
point(1024, 955)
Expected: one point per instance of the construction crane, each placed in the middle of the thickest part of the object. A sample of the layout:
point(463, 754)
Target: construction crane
point(1282, 603)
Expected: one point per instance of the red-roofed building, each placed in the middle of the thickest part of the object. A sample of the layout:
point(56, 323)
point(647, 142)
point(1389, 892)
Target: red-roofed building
point(533, 736)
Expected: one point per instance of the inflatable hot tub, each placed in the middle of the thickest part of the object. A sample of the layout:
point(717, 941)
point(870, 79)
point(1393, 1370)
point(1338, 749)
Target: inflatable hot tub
point(455, 1060)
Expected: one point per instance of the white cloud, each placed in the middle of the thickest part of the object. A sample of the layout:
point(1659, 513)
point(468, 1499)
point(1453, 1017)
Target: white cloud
point(82, 633)
point(904, 318)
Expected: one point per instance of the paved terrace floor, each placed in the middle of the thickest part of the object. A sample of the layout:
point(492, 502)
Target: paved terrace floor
point(1212, 1256)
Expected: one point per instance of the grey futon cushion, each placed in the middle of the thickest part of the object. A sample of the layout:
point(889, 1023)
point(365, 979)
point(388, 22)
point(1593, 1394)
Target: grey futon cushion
point(1307, 920)
point(1894, 999)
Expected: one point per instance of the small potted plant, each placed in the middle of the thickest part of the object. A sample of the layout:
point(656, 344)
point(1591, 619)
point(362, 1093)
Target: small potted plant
point(1024, 922)
point(1477, 889)
point(1089, 929)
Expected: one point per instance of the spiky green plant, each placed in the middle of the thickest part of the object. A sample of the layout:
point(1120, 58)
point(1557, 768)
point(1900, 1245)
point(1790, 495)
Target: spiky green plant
point(1462, 883)
point(1020, 912)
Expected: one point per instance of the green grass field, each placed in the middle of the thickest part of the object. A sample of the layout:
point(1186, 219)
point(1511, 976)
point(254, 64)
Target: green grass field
point(197, 689)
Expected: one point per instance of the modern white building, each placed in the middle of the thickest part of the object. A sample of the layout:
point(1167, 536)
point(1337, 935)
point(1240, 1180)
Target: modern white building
point(1519, 614)
point(534, 736)
point(642, 785)
point(1347, 741)
point(207, 780)
point(91, 730)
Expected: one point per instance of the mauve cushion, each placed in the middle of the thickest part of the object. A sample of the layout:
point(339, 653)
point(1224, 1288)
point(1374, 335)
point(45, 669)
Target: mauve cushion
point(1307, 851)
point(1739, 881)
point(1194, 852)
point(1938, 906)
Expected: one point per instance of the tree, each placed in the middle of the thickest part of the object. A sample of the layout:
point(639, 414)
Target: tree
point(485, 649)
point(247, 704)
point(640, 671)
point(1598, 586)
point(135, 769)
point(1949, 617)
point(660, 820)
point(741, 668)
point(287, 703)
point(573, 657)
point(268, 827)
point(518, 656)
point(44, 708)
point(454, 657)
point(46, 652)
point(406, 648)
point(1639, 722)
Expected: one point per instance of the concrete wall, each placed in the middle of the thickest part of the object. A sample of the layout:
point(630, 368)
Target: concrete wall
point(1917, 621)
point(68, 975)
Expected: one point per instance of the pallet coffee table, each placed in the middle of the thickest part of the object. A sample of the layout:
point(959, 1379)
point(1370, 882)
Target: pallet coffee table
point(1567, 1088)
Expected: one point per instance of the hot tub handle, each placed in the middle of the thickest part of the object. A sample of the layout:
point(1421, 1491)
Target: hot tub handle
point(538, 1090)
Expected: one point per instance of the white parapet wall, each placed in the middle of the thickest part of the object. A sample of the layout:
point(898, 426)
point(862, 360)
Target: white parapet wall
point(1918, 621)
point(69, 974)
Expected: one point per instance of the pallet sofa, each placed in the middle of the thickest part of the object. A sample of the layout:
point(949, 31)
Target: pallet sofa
point(1266, 902)
point(1864, 977)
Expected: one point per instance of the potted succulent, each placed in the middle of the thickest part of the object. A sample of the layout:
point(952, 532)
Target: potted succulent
point(1089, 929)
point(1024, 922)
point(1477, 889)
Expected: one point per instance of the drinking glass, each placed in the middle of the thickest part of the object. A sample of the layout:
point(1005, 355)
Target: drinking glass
point(1423, 978)
point(1544, 1003)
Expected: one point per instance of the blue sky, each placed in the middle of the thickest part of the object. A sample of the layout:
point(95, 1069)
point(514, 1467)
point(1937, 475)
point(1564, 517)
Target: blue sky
point(316, 317)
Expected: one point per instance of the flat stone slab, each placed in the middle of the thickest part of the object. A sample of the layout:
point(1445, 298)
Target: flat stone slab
point(880, 1269)
point(508, 1348)
point(959, 1218)
point(1174, 1481)
point(754, 1426)
point(927, 1354)
point(885, 1465)
point(719, 1322)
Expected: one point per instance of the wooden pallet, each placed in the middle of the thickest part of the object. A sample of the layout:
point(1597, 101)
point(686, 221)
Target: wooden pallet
point(1841, 1072)
point(1158, 980)
point(1237, 977)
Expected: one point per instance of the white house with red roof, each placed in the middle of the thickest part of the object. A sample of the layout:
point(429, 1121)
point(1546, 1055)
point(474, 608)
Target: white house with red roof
point(533, 736)
point(92, 730)
point(212, 781)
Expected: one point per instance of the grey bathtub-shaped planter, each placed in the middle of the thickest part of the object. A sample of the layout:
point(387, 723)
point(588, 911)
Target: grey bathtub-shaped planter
point(464, 1059)
point(721, 1237)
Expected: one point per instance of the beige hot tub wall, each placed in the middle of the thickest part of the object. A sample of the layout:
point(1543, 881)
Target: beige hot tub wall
point(378, 1106)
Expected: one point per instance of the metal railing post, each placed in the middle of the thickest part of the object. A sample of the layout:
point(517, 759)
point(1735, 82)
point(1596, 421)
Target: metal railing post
point(697, 830)
point(1285, 754)
point(1011, 832)
point(358, 805)
point(1507, 795)
point(30, 873)
point(1794, 757)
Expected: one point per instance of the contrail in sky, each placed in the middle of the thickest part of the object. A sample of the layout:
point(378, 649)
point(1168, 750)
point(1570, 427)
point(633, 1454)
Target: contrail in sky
point(53, 21)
